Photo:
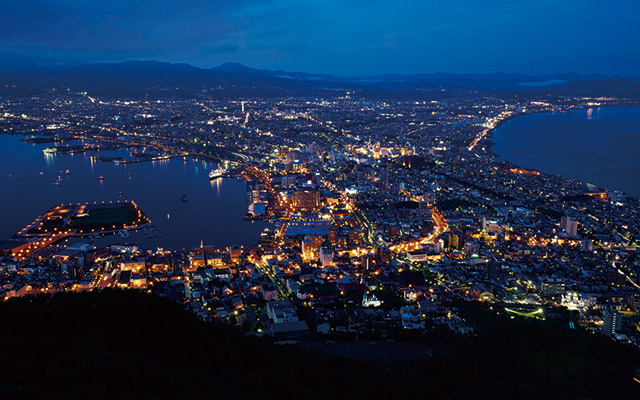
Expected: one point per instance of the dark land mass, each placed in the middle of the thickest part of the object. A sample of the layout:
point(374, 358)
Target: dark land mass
point(24, 75)
point(126, 344)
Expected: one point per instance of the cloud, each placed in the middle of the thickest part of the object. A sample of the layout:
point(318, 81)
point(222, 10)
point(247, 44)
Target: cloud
point(334, 36)
point(115, 26)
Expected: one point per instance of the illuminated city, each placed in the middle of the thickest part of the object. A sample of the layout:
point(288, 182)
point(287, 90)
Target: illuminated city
point(376, 217)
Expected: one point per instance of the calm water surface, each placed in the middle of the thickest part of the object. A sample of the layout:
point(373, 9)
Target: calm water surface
point(213, 213)
point(599, 145)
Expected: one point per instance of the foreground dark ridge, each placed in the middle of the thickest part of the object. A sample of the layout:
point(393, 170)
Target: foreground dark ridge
point(116, 344)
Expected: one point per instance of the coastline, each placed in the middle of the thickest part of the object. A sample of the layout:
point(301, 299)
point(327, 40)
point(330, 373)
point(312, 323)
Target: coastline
point(156, 188)
point(491, 143)
point(489, 137)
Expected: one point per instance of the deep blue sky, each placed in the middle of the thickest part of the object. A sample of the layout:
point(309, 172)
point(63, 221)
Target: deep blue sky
point(341, 37)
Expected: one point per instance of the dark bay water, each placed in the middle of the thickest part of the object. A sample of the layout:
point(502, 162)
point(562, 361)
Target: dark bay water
point(213, 213)
point(599, 145)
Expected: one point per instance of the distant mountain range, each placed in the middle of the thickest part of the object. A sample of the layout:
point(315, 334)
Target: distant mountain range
point(25, 75)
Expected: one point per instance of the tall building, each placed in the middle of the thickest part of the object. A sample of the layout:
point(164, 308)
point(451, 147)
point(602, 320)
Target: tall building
point(569, 226)
point(612, 320)
point(307, 249)
point(326, 256)
point(333, 235)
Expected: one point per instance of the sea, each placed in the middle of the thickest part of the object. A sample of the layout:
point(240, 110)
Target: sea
point(600, 146)
point(212, 213)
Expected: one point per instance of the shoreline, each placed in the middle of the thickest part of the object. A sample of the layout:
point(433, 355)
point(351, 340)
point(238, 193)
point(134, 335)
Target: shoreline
point(184, 212)
point(489, 139)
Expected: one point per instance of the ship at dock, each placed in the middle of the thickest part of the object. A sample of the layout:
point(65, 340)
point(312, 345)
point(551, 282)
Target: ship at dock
point(217, 173)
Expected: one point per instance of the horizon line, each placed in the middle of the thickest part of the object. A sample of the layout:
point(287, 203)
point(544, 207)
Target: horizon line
point(68, 62)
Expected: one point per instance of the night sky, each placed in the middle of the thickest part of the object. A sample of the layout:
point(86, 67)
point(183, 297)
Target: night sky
point(349, 37)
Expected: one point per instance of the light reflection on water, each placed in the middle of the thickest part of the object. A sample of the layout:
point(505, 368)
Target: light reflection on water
point(597, 145)
point(212, 213)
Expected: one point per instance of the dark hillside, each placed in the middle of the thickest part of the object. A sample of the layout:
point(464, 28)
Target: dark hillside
point(126, 344)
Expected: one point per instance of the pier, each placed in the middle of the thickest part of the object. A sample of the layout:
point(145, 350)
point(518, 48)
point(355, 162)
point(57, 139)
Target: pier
point(81, 220)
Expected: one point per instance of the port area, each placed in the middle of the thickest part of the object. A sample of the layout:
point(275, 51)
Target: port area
point(221, 173)
point(79, 220)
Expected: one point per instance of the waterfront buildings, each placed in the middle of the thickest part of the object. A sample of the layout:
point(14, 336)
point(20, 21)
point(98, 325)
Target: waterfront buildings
point(384, 214)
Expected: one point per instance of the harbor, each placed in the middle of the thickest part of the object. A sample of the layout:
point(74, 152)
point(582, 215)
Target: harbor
point(211, 210)
point(79, 220)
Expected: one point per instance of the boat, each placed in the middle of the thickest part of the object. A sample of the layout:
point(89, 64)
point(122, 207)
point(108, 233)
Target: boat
point(101, 177)
point(217, 173)
point(59, 181)
point(184, 198)
point(67, 172)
